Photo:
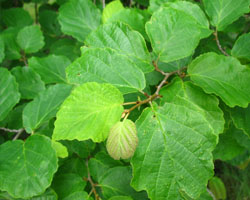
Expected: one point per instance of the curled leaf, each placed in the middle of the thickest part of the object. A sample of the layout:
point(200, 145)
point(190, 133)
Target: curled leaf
point(122, 140)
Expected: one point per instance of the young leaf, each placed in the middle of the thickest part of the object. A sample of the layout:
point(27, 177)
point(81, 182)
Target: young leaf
point(122, 140)
point(224, 12)
point(218, 188)
point(122, 38)
point(241, 118)
point(78, 18)
point(27, 168)
point(44, 106)
point(106, 66)
point(174, 34)
point(30, 83)
point(8, 92)
point(50, 68)
point(61, 151)
point(223, 76)
point(112, 8)
point(2, 54)
point(194, 11)
point(16, 17)
point(89, 113)
point(241, 48)
point(30, 39)
point(174, 152)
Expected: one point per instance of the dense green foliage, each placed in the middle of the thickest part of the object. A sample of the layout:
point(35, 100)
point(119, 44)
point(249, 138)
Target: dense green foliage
point(125, 100)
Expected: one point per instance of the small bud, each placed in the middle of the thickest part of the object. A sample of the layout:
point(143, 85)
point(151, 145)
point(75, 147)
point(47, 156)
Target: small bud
point(122, 140)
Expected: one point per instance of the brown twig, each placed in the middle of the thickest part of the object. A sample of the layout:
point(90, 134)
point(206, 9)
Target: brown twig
point(17, 131)
point(24, 59)
point(218, 43)
point(93, 185)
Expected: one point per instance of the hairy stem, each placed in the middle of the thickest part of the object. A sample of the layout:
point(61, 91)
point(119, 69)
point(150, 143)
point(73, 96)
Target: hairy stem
point(218, 43)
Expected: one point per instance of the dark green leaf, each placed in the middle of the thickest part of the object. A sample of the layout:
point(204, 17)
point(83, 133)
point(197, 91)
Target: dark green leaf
point(30, 83)
point(27, 168)
point(44, 106)
point(8, 92)
point(78, 18)
point(2, 54)
point(241, 48)
point(50, 68)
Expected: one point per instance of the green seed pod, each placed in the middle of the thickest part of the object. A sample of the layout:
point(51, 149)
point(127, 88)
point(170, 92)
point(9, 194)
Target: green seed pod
point(122, 140)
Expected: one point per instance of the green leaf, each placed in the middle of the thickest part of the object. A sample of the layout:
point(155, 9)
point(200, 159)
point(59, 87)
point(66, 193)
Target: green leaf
point(66, 47)
point(223, 76)
point(241, 48)
point(74, 165)
point(154, 5)
point(79, 195)
point(30, 83)
point(27, 168)
point(228, 147)
point(61, 151)
point(174, 34)
point(116, 182)
point(111, 8)
point(66, 184)
point(12, 50)
point(174, 152)
point(196, 13)
point(44, 106)
point(49, 194)
point(30, 39)
point(224, 12)
point(49, 22)
point(99, 164)
point(135, 18)
point(8, 92)
point(78, 18)
point(2, 54)
point(122, 140)
point(218, 188)
point(89, 113)
point(16, 17)
point(50, 68)
point(121, 198)
point(106, 66)
point(187, 93)
point(120, 37)
point(241, 118)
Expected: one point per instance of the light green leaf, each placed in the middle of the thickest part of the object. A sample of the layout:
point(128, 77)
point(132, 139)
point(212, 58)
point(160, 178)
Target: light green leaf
point(106, 66)
point(223, 76)
point(30, 39)
point(116, 182)
point(16, 17)
point(228, 147)
point(78, 18)
point(135, 18)
point(79, 195)
point(50, 68)
point(89, 113)
point(44, 106)
point(224, 12)
point(154, 5)
point(8, 92)
point(27, 168)
point(196, 12)
point(12, 50)
point(174, 152)
point(66, 184)
point(30, 83)
point(241, 118)
point(122, 38)
point(174, 34)
point(61, 151)
point(2, 54)
point(207, 105)
point(110, 9)
point(241, 48)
